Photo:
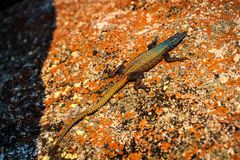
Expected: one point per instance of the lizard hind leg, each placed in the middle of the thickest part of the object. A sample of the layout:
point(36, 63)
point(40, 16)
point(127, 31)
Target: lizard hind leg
point(169, 59)
point(119, 70)
point(137, 77)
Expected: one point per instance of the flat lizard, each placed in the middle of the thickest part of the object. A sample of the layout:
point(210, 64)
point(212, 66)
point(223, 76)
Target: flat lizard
point(134, 72)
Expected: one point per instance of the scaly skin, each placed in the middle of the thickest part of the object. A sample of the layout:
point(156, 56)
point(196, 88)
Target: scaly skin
point(109, 93)
point(140, 64)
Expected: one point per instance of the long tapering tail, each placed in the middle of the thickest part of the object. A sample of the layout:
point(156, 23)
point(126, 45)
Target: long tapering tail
point(106, 97)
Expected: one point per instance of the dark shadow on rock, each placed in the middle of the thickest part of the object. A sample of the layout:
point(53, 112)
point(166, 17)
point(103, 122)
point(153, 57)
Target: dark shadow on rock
point(26, 31)
point(4, 4)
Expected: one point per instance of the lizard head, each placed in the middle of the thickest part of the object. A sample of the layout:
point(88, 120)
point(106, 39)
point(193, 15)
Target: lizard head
point(176, 39)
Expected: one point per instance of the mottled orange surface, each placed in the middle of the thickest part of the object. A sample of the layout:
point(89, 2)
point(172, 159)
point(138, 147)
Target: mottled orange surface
point(193, 108)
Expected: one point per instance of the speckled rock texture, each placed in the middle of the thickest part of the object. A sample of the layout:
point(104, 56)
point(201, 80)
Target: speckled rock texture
point(55, 57)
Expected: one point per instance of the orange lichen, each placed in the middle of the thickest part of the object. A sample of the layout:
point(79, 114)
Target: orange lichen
point(196, 133)
point(221, 111)
point(113, 145)
point(178, 95)
point(159, 110)
point(119, 95)
point(95, 97)
point(235, 157)
point(81, 140)
point(135, 156)
point(143, 123)
point(184, 96)
point(165, 146)
point(129, 115)
point(191, 151)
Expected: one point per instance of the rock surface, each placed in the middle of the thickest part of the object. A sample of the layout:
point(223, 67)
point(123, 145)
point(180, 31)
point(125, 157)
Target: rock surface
point(54, 60)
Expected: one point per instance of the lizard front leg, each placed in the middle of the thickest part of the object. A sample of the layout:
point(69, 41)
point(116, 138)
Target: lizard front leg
point(153, 43)
point(137, 77)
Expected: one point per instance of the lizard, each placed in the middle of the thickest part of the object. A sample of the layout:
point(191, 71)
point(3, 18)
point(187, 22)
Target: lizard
point(133, 72)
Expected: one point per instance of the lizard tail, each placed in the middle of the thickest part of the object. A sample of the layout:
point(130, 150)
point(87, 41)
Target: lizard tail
point(106, 97)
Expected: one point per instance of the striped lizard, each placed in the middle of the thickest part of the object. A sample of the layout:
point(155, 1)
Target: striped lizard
point(134, 72)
